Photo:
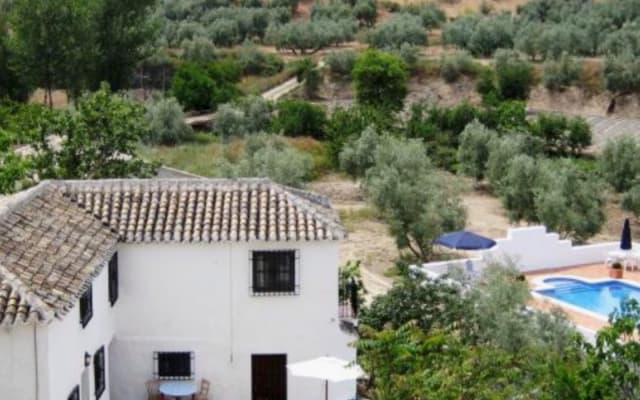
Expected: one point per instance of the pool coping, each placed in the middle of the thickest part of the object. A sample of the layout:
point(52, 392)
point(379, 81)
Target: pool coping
point(541, 285)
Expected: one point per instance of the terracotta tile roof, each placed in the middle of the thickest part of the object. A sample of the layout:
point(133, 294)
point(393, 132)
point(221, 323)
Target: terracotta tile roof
point(206, 210)
point(49, 251)
point(57, 236)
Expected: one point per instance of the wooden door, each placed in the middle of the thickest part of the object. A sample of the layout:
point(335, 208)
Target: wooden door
point(269, 376)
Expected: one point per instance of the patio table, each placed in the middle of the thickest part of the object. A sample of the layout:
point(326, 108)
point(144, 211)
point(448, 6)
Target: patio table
point(178, 389)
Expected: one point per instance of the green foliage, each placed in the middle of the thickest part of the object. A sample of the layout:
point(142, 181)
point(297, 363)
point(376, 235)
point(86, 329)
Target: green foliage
point(12, 85)
point(349, 276)
point(341, 62)
point(620, 165)
point(454, 65)
point(270, 156)
point(166, 122)
point(307, 73)
point(357, 155)
point(501, 151)
point(365, 12)
point(123, 32)
point(248, 115)
point(299, 118)
point(473, 152)
point(569, 202)
point(199, 49)
point(49, 43)
point(309, 36)
point(431, 15)
point(397, 30)
point(102, 135)
point(481, 35)
point(631, 200)
point(330, 10)
point(204, 86)
point(253, 61)
point(562, 135)
point(518, 188)
point(380, 80)
point(514, 76)
point(557, 75)
point(416, 202)
point(622, 73)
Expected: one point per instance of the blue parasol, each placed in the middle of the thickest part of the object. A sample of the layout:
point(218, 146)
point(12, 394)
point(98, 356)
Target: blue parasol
point(464, 240)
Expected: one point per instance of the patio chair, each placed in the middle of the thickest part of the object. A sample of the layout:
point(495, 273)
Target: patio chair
point(203, 394)
point(153, 389)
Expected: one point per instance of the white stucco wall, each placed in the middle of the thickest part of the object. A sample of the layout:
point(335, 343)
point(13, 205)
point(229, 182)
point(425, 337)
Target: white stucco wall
point(196, 297)
point(531, 248)
point(68, 342)
point(17, 363)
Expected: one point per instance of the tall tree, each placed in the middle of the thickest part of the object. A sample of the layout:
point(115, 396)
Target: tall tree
point(11, 84)
point(50, 40)
point(124, 30)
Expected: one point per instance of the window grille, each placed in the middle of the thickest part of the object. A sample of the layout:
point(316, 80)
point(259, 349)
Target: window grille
point(274, 272)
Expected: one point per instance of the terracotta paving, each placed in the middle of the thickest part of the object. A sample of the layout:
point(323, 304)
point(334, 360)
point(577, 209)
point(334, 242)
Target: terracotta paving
point(593, 271)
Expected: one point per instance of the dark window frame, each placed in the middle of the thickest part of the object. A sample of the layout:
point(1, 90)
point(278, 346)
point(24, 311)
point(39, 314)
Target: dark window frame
point(157, 367)
point(75, 393)
point(113, 279)
point(99, 372)
point(86, 306)
point(274, 272)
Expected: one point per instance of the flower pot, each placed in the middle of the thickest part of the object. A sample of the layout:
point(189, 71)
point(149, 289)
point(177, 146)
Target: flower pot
point(615, 273)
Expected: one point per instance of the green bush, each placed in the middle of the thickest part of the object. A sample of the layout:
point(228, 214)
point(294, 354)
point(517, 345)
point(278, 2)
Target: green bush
point(562, 135)
point(254, 62)
point(341, 62)
point(473, 152)
point(270, 156)
point(365, 12)
point(454, 65)
point(619, 162)
point(622, 73)
point(198, 49)
point(380, 80)
point(631, 200)
point(514, 76)
point(559, 74)
point(431, 15)
point(399, 29)
point(247, 115)
point(166, 122)
point(193, 87)
point(357, 155)
point(299, 118)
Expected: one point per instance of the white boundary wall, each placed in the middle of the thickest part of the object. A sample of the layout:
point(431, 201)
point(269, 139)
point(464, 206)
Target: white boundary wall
point(530, 248)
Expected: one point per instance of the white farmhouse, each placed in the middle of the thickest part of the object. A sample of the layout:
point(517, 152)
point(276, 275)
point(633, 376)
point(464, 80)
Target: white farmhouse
point(105, 285)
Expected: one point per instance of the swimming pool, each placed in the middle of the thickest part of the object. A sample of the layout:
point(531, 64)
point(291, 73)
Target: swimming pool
point(602, 297)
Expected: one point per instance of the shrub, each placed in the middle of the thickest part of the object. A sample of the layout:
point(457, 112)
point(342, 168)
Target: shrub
point(248, 115)
point(224, 32)
point(431, 15)
point(631, 200)
point(270, 156)
point(399, 29)
point(380, 80)
point(341, 62)
point(357, 155)
point(452, 66)
point(518, 188)
point(365, 12)
point(619, 162)
point(198, 49)
point(481, 35)
point(473, 152)
point(193, 87)
point(310, 36)
point(166, 122)
point(562, 135)
point(408, 53)
point(332, 10)
point(514, 75)
point(501, 151)
point(622, 73)
point(300, 118)
point(559, 74)
point(253, 61)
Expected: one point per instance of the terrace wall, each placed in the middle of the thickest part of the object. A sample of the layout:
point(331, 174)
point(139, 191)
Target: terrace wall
point(531, 249)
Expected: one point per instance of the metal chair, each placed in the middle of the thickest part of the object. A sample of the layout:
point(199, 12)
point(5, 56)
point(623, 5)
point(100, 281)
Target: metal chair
point(153, 389)
point(203, 393)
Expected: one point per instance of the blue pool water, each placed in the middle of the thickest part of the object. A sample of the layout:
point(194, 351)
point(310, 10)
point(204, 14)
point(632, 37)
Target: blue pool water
point(601, 298)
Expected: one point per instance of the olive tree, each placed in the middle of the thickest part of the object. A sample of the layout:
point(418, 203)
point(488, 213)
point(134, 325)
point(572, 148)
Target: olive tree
point(619, 162)
point(631, 200)
point(473, 152)
point(559, 74)
point(397, 30)
point(380, 79)
point(519, 186)
point(417, 202)
point(513, 74)
point(166, 121)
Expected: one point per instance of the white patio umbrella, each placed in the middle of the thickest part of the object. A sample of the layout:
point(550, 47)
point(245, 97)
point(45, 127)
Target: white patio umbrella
point(327, 368)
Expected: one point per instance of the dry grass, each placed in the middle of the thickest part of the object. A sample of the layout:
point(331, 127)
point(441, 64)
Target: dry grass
point(591, 76)
point(254, 84)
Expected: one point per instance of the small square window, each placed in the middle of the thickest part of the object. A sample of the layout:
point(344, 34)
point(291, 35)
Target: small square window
point(176, 365)
point(274, 272)
point(86, 307)
point(99, 378)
